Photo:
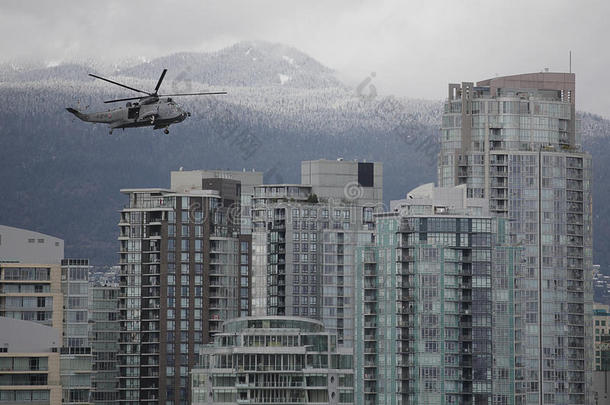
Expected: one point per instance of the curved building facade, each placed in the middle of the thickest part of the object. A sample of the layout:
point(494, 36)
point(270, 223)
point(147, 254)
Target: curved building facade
point(272, 359)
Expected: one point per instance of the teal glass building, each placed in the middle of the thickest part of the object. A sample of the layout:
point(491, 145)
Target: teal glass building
point(434, 305)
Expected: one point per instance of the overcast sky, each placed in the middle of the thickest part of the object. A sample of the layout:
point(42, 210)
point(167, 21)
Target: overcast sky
point(414, 47)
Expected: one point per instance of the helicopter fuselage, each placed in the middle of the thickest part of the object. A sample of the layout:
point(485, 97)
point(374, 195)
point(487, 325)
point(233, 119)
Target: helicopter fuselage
point(160, 113)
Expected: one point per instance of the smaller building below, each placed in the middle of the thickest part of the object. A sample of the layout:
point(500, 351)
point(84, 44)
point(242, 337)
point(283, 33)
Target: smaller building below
point(29, 363)
point(601, 318)
point(283, 360)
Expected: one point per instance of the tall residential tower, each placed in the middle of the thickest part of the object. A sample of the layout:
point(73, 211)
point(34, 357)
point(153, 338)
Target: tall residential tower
point(514, 140)
point(182, 258)
point(429, 328)
point(304, 238)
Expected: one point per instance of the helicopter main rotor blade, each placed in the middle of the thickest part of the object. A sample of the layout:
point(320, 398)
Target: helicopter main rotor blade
point(160, 80)
point(209, 93)
point(168, 95)
point(119, 84)
point(123, 99)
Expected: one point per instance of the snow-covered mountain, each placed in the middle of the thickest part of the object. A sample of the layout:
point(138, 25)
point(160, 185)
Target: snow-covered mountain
point(246, 64)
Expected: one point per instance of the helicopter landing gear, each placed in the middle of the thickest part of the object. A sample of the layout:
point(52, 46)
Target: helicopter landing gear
point(166, 130)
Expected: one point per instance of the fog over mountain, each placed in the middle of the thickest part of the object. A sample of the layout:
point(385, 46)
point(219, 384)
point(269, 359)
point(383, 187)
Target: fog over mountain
point(62, 176)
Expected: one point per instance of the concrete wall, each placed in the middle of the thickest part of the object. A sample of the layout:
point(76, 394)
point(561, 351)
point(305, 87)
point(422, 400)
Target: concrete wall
point(186, 180)
point(27, 337)
point(338, 179)
point(601, 387)
point(21, 245)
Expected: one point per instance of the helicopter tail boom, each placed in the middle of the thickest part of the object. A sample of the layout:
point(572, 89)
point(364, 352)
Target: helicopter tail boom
point(78, 114)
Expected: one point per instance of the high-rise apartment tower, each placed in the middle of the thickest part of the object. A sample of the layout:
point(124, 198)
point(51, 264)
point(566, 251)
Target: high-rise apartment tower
point(515, 141)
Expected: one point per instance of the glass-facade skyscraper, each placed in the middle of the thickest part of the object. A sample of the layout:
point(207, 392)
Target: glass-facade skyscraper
point(515, 141)
point(434, 304)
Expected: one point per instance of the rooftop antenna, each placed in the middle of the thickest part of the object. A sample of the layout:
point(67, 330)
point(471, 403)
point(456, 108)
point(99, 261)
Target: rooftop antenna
point(570, 61)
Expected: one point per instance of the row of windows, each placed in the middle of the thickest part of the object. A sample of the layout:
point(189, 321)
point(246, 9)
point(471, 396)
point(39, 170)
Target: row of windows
point(28, 302)
point(304, 279)
point(304, 236)
point(325, 225)
point(304, 247)
point(24, 395)
point(184, 279)
point(304, 311)
point(23, 363)
point(184, 302)
point(40, 316)
point(304, 268)
point(304, 257)
point(312, 213)
point(23, 379)
point(304, 289)
point(26, 273)
point(25, 288)
point(558, 109)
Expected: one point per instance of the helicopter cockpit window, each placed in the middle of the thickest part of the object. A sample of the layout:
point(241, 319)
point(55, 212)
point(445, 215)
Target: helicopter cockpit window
point(133, 112)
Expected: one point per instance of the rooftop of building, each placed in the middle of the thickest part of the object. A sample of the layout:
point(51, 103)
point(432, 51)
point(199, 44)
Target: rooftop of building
point(220, 173)
point(428, 199)
point(555, 86)
point(337, 161)
point(145, 190)
point(601, 309)
point(283, 185)
point(538, 80)
point(74, 262)
point(25, 246)
point(164, 192)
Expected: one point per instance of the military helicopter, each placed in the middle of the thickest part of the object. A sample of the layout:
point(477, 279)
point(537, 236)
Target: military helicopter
point(153, 109)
